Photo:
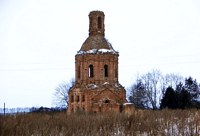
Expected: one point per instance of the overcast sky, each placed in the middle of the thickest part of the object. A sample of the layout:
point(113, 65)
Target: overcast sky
point(39, 40)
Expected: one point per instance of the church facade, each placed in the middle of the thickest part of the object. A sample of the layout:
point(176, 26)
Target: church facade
point(96, 88)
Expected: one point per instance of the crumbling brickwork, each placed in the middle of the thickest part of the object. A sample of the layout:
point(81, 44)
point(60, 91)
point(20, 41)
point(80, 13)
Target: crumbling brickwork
point(96, 86)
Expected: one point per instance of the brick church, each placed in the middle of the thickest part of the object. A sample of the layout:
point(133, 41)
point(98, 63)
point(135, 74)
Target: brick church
point(96, 88)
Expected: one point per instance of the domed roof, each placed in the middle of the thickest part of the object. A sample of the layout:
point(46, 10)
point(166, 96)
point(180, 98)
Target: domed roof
point(96, 44)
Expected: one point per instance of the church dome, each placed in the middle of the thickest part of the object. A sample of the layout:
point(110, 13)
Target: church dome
point(96, 42)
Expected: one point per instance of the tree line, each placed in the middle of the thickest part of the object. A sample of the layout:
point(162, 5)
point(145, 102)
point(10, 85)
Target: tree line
point(152, 90)
point(156, 91)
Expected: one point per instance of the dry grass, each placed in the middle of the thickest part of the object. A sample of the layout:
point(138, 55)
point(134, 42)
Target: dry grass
point(165, 122)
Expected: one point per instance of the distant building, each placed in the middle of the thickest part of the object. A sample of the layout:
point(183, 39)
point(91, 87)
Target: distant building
point(96, 86)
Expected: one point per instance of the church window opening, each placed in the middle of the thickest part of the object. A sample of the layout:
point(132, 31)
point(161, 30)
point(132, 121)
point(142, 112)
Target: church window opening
point(107, 101)
point(116, 73)
point(79, 71)
point(83, 98)
point(91, 71)
point(90, 20)
point(106, 70)
point(72, 98)
point(99, 22)
point(121, 107)
point(77, 98)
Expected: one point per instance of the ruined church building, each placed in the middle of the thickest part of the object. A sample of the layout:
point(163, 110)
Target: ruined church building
point(96, 88)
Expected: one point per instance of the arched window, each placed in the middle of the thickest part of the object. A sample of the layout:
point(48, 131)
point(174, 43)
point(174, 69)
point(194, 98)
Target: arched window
point(91, 71)
point(116, 72)
point(90, 20)
point(79, 71)
point(121, 107)
point(83, 98)
point(77, 98)
point(72, 98)
point(106, 70)
point(99, 22)
point(107, 101)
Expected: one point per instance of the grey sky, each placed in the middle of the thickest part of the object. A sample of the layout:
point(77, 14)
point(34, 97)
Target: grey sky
point(39, 39)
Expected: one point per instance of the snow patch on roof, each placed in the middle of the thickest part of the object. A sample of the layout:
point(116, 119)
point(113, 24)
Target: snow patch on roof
point(128, 103)
point(91, 86)
point(106, 83)
point(98, 51)
point(117, 85)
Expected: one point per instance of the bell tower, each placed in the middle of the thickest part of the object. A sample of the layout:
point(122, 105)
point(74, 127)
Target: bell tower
point(96, 88)
point(96, 26)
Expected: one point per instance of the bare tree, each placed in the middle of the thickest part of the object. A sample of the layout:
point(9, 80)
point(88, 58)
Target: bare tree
point(61, 93)
point(173, 80)
point(170, 80)
point(152, 86)
point(138, 95)
point(156, 84)
point(146, 91)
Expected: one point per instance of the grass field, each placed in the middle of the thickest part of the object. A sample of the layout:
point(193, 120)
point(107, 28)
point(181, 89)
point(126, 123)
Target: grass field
point(140, 122)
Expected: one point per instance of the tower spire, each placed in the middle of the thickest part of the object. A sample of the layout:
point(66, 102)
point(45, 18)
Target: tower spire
point(96, 26)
